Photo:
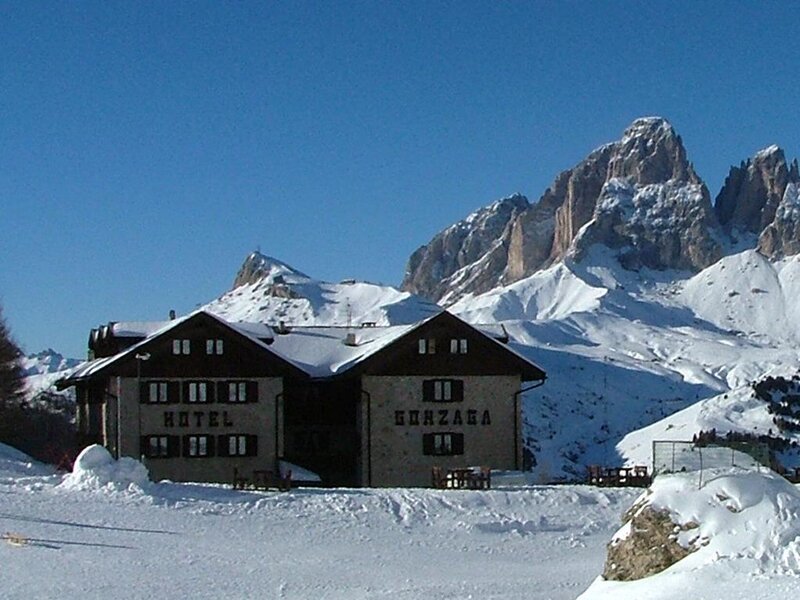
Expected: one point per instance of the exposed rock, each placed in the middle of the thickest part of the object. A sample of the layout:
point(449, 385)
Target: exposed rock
point(258, 267)
point(782, 236)
point(661, 226)
point(648, 547)
point(750, 196)
point(651, 152)
point(473, 250)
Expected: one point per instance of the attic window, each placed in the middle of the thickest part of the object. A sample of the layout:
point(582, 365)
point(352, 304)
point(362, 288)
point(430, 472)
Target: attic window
point(458, 346)
point(180, 347)
point(427, 346)
point(214, 347)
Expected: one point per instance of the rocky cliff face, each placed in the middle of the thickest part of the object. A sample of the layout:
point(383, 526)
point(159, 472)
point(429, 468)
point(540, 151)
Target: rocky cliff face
point(782, 236)
point(639, 194)
point(748, 200)
point(469, 255)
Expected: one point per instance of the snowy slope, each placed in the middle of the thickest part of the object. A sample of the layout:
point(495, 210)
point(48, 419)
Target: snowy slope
point(275, 292)
point(624, 349)
point(103, 533)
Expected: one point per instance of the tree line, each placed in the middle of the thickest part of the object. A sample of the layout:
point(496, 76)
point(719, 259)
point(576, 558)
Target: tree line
point(43, 426)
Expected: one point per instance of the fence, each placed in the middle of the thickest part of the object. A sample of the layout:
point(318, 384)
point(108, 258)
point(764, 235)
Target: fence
point(675, 457)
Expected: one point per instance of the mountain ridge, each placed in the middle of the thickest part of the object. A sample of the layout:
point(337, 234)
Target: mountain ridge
point(639, 195)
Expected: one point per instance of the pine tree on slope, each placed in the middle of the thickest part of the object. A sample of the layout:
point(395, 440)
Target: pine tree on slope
point(11, 375)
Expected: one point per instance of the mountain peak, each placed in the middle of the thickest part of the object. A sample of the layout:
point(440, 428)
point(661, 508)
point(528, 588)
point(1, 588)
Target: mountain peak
point(259, 266)
point(649, 127)
point(651, 152)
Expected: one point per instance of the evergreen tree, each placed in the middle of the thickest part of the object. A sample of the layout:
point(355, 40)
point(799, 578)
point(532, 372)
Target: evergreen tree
point(11, 375)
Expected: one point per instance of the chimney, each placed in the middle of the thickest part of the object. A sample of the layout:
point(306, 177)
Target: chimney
point(172, 315)
point(350, 339)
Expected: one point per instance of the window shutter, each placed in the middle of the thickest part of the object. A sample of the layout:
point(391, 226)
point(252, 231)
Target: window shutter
point(222, 391)
point(211, 440)
point(185, 392)
point(427, 390)
point(458, 443)
point(222, 444)
point(186, 446)
point(427, 444)
point(252, 445)
point(457, 390)
point(144, 392)
point(210, 389)
point(142, 446)
point(173, 446)
point(173, 392)
point(252, 391)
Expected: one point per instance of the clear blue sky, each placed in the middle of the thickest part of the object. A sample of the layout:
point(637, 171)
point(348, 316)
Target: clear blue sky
point(147, 147)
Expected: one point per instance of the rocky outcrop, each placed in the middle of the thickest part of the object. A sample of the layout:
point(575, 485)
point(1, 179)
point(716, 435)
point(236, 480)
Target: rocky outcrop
point(652, 206)
point(660, 226)
point(782, 236)
point(648, 546)
point(469, 255)
point(260, 268)
point(749, 199)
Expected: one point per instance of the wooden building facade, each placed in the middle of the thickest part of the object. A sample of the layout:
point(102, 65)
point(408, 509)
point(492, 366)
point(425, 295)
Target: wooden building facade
point(198, 397)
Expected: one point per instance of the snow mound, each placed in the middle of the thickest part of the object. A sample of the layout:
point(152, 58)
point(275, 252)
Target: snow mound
point(744, 521)
point(96, 469)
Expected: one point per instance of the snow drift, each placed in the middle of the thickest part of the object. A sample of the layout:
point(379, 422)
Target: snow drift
point(96, 469)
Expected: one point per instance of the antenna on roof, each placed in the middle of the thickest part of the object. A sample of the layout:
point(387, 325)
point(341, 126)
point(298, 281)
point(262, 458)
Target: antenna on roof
point(349, 315)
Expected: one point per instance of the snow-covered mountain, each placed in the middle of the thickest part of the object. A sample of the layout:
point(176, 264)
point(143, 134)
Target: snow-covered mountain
point(41, 370)
point(267, 290)
point(639, 196)
point(625, 349)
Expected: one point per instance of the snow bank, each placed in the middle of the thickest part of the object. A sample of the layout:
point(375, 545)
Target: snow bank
point(741, 522)
point(16, 463)
point(96, 469)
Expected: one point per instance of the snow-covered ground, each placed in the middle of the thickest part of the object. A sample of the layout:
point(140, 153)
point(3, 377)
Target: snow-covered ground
point(103, 533)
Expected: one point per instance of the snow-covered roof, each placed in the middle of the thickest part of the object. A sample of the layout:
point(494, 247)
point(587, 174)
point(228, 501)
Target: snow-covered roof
point(318, 351)
point(324, 351)
point(144, 329)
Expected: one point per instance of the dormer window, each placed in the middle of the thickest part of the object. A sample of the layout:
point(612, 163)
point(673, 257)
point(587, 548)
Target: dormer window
point(427, 346)
point(214, 347)
point(181, 347)
point(458, 346)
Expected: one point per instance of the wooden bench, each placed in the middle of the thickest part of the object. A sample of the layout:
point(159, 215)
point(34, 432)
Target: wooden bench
point(469, 478)
point(262, 479)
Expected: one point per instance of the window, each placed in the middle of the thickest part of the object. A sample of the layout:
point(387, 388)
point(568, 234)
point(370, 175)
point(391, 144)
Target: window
point(158, 392)
point(238, 445)
point(458, 346)
point(214, 347)
point(442, 390)
point(443, 444)
point(159, 446)
point(197, 392)
point(238, 391)
point(427, 346)
point(180, 347)
point(198, 446)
